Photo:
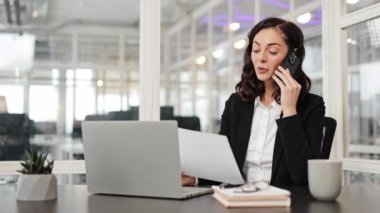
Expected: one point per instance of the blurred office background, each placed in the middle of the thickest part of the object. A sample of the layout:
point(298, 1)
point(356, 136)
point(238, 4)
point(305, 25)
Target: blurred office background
point(65, 61)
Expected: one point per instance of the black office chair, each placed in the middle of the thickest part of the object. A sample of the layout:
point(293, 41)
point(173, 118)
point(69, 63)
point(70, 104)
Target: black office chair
point(121, 116)
point(166, 113)
point(96, 117)
point(14, 136)
point(329, 125)
point(188, 122)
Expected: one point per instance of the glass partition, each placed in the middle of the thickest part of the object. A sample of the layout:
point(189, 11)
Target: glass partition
point(363, 57)
point(312, 64)
point(66, 69)
point(354, 5)
point(185, 45)
point(363, 178)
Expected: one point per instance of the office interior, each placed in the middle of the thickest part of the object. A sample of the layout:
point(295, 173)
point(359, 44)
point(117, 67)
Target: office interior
point(66, 61)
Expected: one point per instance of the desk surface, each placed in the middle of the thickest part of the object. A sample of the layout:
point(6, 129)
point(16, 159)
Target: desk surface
point(354, 198)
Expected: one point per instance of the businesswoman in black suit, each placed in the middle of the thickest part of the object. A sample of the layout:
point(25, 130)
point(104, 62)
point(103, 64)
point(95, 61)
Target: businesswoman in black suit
point(273, 123)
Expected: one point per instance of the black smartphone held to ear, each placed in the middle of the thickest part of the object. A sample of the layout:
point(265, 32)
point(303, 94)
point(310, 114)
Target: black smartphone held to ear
point(291, 62)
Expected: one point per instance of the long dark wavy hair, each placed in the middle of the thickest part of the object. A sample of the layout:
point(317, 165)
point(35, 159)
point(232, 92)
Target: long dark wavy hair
point(250, 86)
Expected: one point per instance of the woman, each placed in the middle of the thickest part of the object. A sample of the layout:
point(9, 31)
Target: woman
point(273, 123)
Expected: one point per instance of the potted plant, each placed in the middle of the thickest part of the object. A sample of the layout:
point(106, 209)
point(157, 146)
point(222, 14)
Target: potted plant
point(36, 181)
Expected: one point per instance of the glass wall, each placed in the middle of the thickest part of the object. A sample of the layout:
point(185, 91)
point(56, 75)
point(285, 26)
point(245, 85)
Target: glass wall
point(312, 64)
point(361, 61)
point(63, 69)
point(354, 5)
point(13, 94)
point(47, 94)
point(364, 178)
point(363, 54)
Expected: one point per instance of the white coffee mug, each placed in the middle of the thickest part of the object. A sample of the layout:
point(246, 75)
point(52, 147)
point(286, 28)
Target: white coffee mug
point(325, 179)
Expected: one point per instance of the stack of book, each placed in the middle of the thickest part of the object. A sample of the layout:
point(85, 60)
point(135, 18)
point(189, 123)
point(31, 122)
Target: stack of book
point(268, 197)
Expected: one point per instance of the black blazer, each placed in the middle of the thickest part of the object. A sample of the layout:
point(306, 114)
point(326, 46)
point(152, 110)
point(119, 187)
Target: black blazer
point(298, 138)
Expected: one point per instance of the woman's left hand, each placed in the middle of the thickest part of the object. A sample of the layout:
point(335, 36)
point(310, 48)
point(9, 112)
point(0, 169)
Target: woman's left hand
point(187, 180)
point(290, 90)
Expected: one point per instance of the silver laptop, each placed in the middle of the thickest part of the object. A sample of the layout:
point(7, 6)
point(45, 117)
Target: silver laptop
point(138, 158)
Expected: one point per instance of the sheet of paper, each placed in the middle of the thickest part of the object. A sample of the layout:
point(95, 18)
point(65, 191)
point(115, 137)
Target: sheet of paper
point(208, 156)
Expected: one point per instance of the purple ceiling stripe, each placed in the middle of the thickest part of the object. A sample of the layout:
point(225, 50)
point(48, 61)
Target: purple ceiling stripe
point(278, 3)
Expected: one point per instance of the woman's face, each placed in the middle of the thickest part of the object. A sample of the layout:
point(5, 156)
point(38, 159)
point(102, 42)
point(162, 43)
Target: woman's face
point(268, 51)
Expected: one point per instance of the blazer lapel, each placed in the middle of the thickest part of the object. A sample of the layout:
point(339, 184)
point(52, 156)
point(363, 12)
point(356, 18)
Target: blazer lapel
point(243, 133)
point(278, 148)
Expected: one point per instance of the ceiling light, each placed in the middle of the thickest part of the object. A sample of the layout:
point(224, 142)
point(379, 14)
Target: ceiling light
point(99, 83)
point(234, 26)
point(200, 60)
point(352, 1)
point(218, 53)
point(351, 41)
point(35, 14)
point(240, 44)
point(304, 18)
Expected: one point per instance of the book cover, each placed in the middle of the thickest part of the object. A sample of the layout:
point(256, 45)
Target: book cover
point(252, 203)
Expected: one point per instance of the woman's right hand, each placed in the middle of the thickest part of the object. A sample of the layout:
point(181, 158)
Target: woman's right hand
point(188, 180)
point(290, 91)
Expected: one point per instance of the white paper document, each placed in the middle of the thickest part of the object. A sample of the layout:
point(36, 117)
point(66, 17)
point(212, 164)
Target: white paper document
point(208, 156)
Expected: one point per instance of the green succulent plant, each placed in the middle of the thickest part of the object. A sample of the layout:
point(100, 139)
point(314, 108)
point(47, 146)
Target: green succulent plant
point(36, 162)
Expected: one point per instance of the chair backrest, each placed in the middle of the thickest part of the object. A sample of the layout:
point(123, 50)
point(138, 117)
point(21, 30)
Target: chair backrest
point(188, 122)
point(121, 116)
point(96, 117)
point(166, 113)
point(14, 136)
point(45, 127)
point(329, 125)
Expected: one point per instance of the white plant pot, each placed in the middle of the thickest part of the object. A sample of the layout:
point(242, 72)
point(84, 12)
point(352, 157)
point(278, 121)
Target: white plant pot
point(36, 187)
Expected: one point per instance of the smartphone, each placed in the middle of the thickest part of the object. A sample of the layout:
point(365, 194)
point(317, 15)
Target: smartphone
point(291, 62)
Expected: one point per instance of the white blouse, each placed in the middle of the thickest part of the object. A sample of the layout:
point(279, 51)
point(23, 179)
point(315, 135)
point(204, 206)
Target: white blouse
point(258, 161)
